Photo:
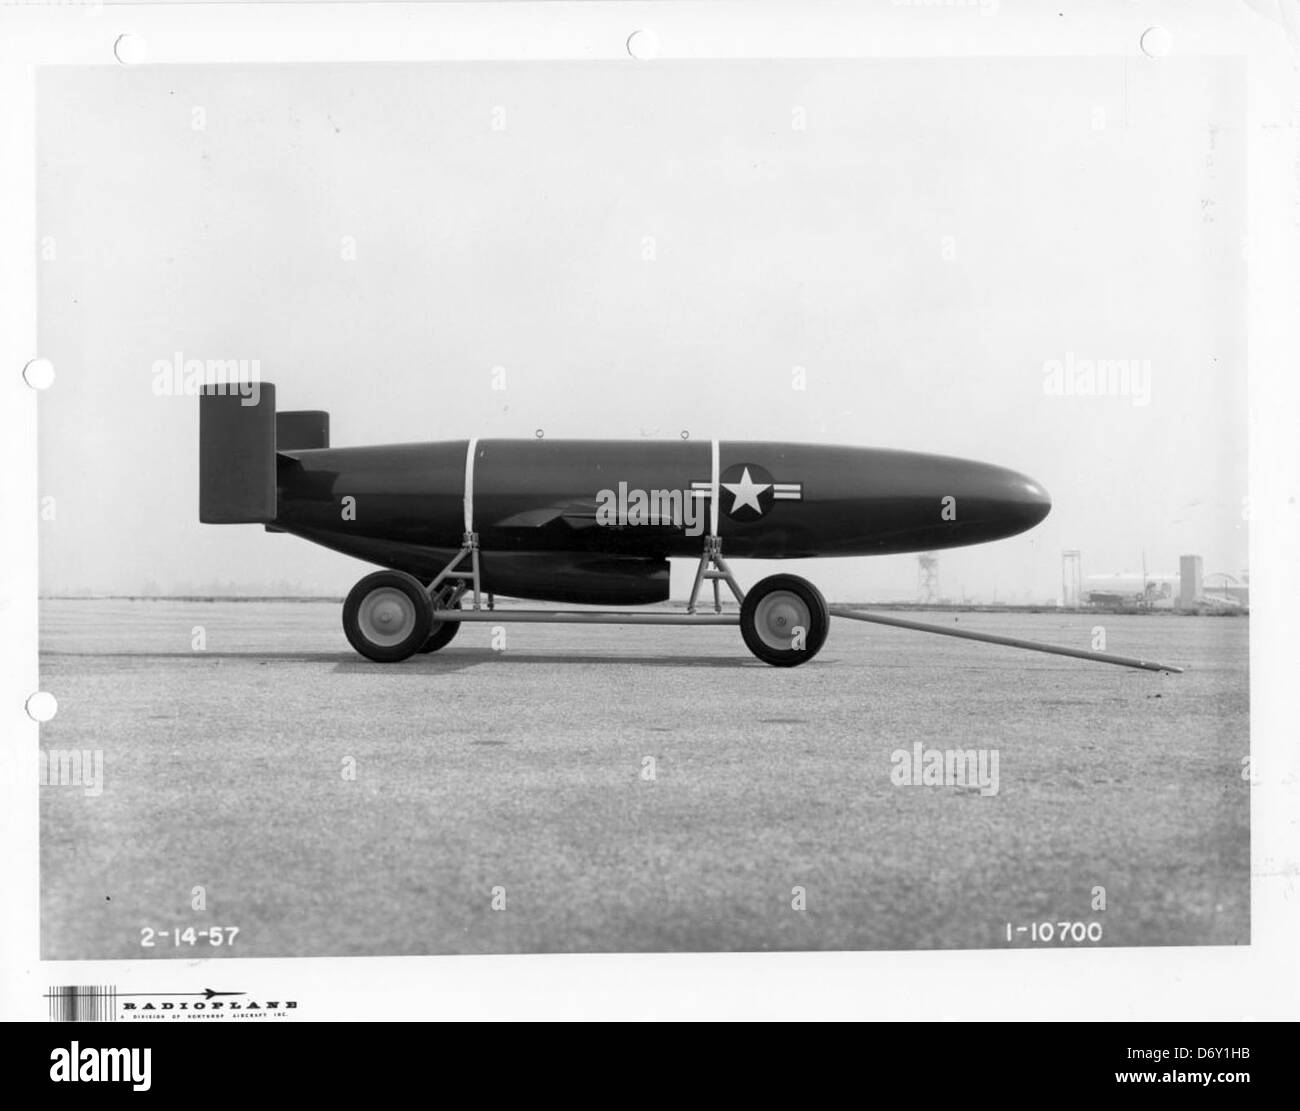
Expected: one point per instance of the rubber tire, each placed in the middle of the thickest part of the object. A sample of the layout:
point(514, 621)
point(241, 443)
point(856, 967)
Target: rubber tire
point(413, 641)
point(818, 624)
point(442, 635)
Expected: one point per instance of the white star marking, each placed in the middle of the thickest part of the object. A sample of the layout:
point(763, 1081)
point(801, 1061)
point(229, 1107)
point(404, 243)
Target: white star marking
point(746, 492)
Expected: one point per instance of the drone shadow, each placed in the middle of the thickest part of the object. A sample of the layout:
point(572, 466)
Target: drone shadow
point(453, 660)
point(435, 663)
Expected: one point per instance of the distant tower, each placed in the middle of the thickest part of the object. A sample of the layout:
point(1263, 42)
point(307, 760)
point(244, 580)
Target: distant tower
point(1189, 581)
point(1071, 578)
point(927, 579)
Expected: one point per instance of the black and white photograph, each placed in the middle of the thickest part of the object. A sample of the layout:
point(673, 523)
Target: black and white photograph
point(645, 504)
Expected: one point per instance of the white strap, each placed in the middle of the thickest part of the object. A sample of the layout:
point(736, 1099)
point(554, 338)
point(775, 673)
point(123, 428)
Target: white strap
point(470, 452)
point(713, 493)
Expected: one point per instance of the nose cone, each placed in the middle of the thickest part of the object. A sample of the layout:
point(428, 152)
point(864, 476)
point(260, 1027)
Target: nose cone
point(995, 502)
point(1023, 502)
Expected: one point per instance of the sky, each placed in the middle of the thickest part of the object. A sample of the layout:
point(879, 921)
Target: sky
point(635, 250)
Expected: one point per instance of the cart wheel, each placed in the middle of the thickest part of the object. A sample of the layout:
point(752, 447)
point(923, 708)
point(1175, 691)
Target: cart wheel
point(442, 635)
point(387, 616)
point(775, 613)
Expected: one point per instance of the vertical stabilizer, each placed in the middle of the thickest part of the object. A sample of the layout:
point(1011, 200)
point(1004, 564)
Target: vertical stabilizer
point(236, 456)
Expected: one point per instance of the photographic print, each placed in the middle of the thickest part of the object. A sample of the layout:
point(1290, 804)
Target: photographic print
point(649, 506)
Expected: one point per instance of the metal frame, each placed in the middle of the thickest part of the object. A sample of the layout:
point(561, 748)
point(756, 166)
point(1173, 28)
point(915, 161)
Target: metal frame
point(711, 567)
point(469, 547)
point(714, 568)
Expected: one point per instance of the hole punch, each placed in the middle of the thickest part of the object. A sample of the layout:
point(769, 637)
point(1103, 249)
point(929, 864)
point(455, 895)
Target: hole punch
point(643, 45)
point(42, 706)
point(1155, 42)
point(129, 49)
point(39, 374)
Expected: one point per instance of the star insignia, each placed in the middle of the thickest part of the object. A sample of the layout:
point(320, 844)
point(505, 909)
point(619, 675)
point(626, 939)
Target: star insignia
point(745, 492)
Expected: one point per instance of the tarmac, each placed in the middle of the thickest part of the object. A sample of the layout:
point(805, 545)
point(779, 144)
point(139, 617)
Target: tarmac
point(538, 788)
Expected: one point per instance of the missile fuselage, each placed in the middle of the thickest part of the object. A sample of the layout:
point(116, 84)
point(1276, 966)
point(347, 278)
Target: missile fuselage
point(596, 520)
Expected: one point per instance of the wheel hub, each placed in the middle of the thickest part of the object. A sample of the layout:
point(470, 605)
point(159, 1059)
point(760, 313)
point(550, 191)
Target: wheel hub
point(386, 616)
point(778, 616)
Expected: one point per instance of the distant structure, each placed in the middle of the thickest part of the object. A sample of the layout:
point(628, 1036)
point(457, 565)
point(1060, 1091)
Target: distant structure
point(1136, 589)
point(1189, 590)
point(1071, 578)
point(1189, 581)
point(927, 579)
point(1227, 588)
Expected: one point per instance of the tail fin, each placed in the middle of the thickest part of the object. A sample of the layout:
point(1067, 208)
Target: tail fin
point(301, 429)
point(236, 456)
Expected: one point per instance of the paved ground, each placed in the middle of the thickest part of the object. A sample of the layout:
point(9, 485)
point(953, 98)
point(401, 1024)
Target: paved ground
point(524, 770)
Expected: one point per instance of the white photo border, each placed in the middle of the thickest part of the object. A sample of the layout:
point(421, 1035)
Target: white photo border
point(1250, 982)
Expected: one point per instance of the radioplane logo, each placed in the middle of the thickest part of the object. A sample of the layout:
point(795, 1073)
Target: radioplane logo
point(82, 1003)
point(235, 1004)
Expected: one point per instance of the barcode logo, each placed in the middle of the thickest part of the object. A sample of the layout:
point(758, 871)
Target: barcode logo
point(82, 1003)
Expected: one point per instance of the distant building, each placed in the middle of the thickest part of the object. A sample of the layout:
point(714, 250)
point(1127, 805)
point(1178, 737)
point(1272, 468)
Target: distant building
point(1190, 589)
point(1189, 581)
point(1071, 578)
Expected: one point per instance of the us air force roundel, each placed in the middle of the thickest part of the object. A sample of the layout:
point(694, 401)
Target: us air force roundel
point(749, 491)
